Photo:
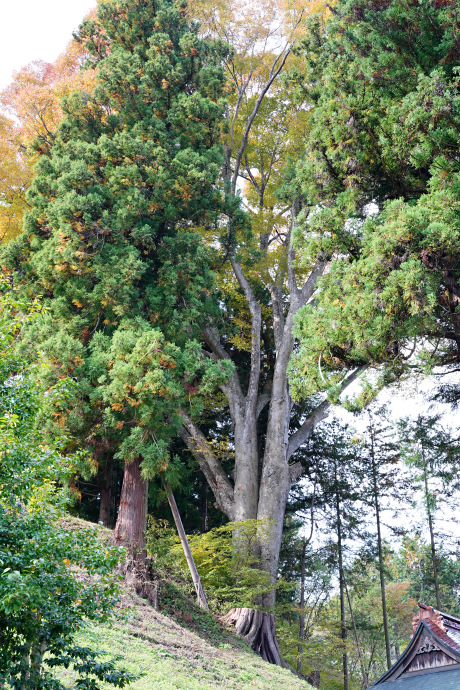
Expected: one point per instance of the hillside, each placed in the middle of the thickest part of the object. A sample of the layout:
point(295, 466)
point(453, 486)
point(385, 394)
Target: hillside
point(183, 650)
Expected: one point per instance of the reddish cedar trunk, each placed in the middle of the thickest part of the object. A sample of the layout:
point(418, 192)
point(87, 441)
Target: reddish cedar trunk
point(132, 512)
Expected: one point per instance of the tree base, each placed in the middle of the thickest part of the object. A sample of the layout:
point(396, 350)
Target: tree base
point(138, 575)
point(314, 678)
point(258, 629)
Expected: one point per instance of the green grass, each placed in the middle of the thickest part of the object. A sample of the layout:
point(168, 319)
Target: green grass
point(173, 657)
point(186, 649)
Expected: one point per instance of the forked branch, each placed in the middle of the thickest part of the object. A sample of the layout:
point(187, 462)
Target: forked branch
point(209, 465)
point(321, 412)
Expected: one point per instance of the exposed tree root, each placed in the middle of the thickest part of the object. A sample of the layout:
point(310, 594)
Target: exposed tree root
point(314, 678)
point(258, 629)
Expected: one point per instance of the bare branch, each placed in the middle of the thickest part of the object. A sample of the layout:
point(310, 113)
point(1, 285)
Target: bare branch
point(310, 284)
point(274, 72)
point(212, 339)
point(292, 282)
point(302, 434)
point(276, 294)
point(256, 324)
point(232, 387)
point(251, 176)
point(209, 465)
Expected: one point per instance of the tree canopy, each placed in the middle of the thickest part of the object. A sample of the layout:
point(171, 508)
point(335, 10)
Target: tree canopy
point(226, 212)
point(380, 183)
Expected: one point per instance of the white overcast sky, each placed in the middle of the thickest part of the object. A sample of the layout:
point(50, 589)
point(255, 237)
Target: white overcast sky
point(36, 30)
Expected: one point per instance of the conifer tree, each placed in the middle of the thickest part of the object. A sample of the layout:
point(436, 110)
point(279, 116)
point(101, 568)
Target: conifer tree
point(340, 476)
point(433, 455)
point(113, 240)
point(380, 453)
point(381, 172)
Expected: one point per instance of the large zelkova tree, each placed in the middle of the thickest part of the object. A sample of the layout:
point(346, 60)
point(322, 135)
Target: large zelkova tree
point(381, 171)
point(112, 241)
point(263, 286)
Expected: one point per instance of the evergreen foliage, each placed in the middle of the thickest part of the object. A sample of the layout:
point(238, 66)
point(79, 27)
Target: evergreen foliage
point(139, 288)
point(380, 178)
point(52, 579)
point(113, 240)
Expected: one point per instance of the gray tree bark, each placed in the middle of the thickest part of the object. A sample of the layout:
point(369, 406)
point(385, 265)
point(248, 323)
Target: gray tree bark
point(251, 496)
point(261, 482)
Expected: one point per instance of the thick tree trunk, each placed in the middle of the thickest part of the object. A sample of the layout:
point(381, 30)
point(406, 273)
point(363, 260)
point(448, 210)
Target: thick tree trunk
point(246, 489)
point(277, 476)
point(104, 506)
point(132, 513)
point(258, 629)
point(275, 487)
point(276, 480)
point(130, 531)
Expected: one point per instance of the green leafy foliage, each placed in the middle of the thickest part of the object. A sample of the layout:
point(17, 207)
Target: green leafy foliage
point(113, 239)
point(51, 579)
point(225, 557)
point(380, 183)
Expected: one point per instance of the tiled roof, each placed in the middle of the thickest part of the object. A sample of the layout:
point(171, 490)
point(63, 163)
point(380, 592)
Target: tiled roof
point(434, 632)
point(446, 637)
point(440, 680)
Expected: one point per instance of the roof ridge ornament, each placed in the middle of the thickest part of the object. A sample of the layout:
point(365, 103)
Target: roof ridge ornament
point(426, 613)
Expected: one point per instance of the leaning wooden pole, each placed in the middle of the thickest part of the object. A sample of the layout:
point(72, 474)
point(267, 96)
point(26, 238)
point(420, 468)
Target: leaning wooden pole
point(185, 545)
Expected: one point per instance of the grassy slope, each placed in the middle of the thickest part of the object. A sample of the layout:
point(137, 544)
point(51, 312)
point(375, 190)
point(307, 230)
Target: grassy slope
point(186, 650)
